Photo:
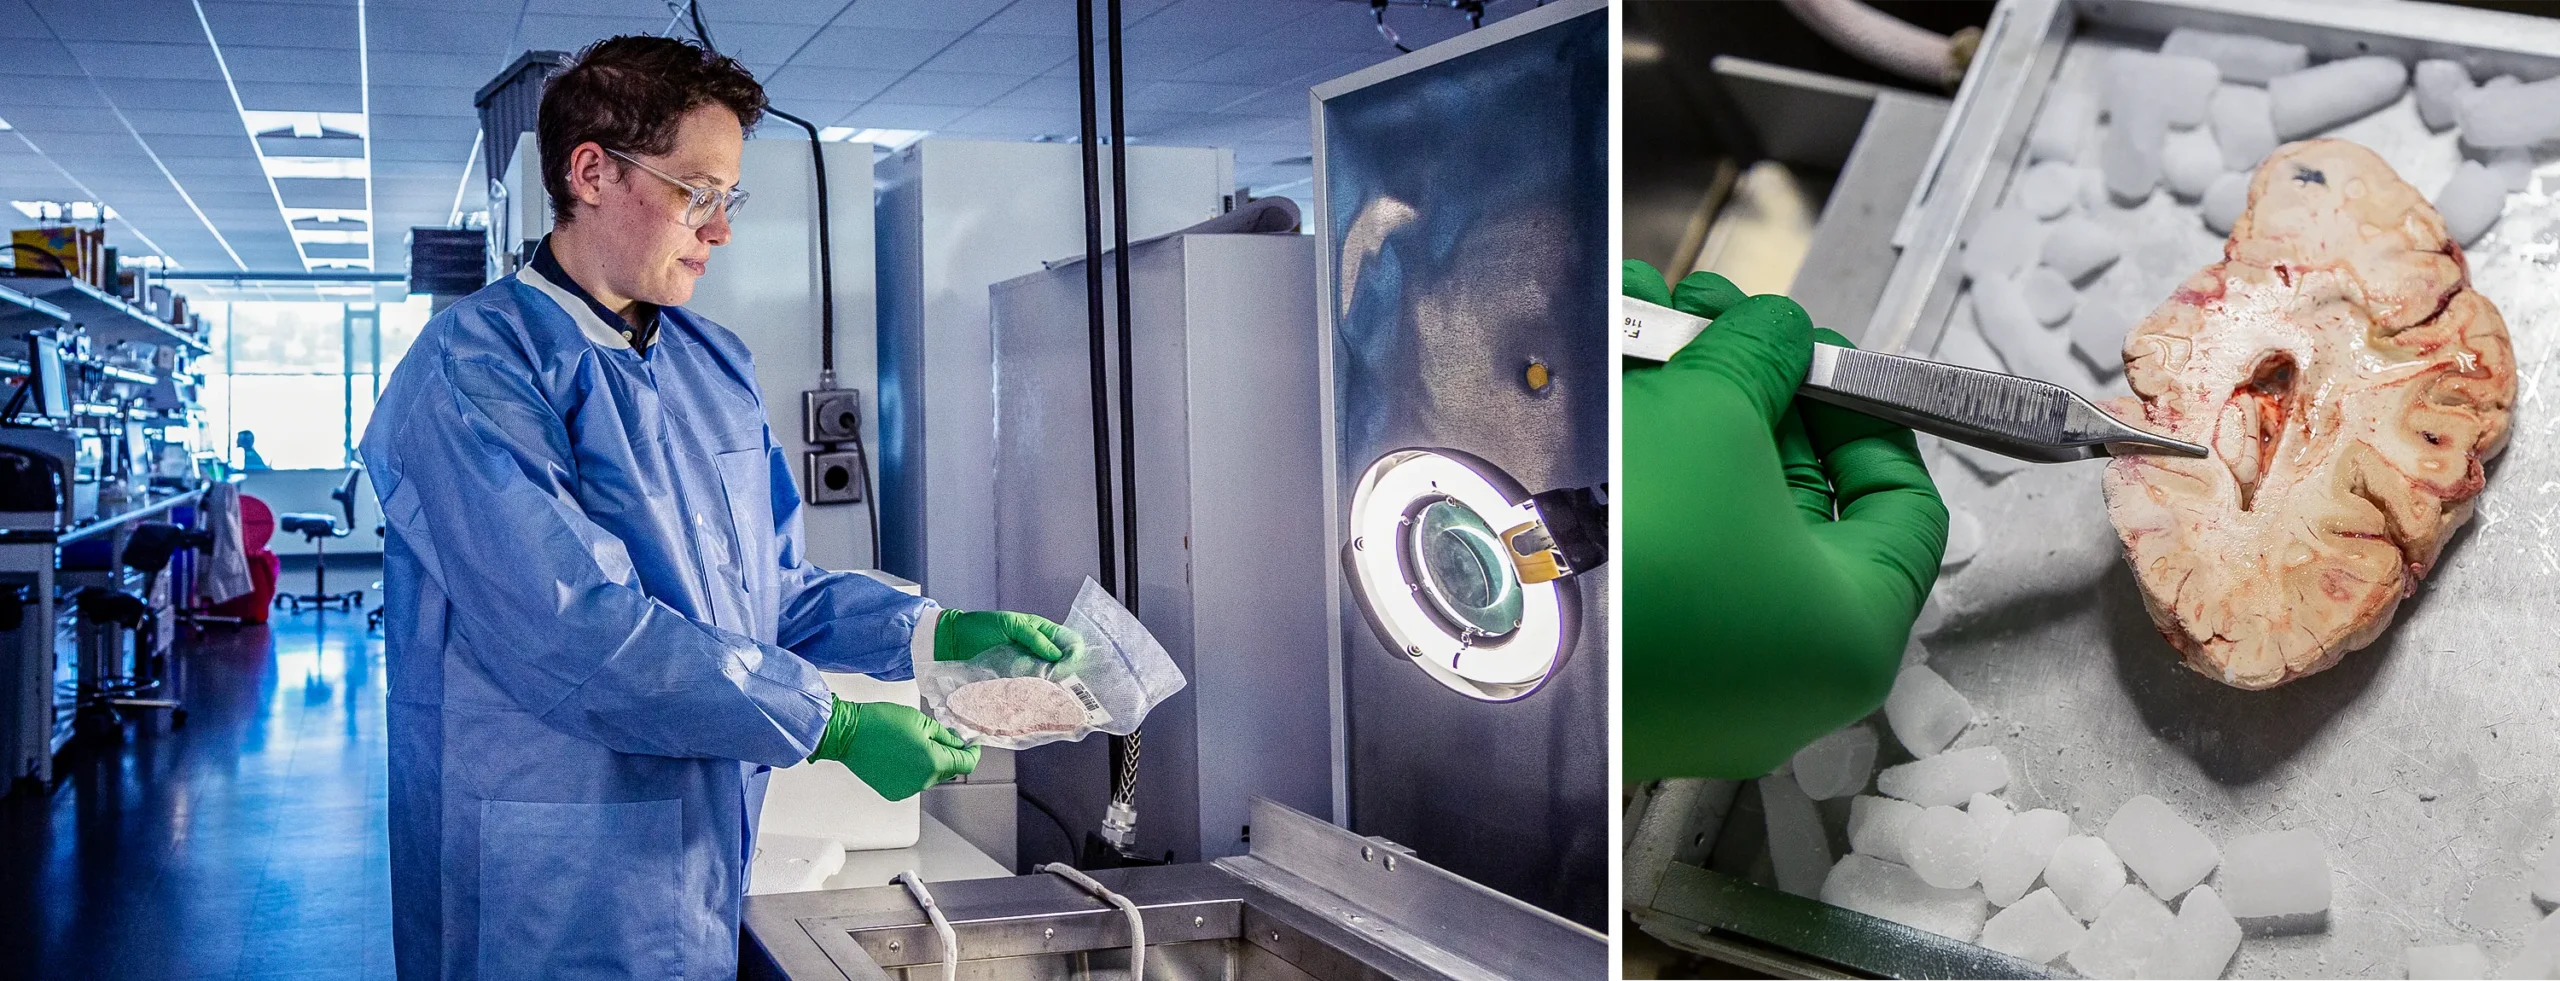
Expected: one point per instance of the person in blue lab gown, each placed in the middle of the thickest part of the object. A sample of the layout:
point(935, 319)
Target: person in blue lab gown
point(601, 628)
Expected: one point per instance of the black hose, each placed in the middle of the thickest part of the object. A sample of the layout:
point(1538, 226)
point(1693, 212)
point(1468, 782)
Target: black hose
point(1107, 542)
point(1124, 782)
point(826, 254)
point(1128, 373)
point(870, 501)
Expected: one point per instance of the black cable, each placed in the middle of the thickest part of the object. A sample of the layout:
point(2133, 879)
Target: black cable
point(1106, 541)
point(862, 466)
point(700, 32)
point(1128, 373)
point(1125, 750)
point(826, 254)
point(1378, 10)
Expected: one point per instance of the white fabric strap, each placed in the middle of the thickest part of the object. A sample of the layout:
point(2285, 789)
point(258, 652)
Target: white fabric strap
point(577, 309)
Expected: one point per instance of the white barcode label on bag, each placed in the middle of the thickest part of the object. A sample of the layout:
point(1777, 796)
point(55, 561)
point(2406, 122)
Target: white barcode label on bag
point(1094, 715)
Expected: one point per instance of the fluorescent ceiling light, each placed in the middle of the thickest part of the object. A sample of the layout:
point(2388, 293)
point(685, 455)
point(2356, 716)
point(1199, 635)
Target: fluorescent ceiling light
point(355, 167)
point(4, 126)
point(315, 125)
point(306, 125)
point(310, 237)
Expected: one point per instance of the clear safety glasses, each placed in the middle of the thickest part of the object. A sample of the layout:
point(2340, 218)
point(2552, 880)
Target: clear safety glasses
point(702, 202)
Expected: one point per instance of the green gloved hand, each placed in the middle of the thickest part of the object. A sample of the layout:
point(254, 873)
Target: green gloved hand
point(963, 634)
point(896, 749)
point(1777, 550)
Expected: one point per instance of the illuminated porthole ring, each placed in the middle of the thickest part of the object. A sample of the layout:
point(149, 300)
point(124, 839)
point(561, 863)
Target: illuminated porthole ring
point(1436, 583)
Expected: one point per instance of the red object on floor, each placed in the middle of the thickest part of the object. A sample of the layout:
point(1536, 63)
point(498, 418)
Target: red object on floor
point(257, 526)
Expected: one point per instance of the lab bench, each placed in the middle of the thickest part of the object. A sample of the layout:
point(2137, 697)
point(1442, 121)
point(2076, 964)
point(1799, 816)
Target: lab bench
point(54, 655)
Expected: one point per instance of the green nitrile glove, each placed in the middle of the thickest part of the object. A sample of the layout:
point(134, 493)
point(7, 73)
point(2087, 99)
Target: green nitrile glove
point(963, 634)
point(1777, 550)
point(896, 749)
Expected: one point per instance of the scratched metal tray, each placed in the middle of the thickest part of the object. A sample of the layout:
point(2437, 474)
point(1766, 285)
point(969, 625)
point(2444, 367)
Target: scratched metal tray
point(2429, 762)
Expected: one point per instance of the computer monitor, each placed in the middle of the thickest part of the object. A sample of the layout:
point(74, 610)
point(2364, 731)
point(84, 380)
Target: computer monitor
point(52, 397)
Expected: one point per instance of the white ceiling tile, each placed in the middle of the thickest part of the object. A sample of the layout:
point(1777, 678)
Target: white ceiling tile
point(1260, 64)
point(455, 130)
point(439, 28)
point(1185, 96)
point(1044, 92)
point(887, 115)
point(1279, 100)
point(40, 55)
point(332, 27)
point(828, 85)
point(47, 90)
point(1212, 22)
point(950, 89)
point(193, 62)
point(167, 21)
point(46, 119)
point(755, 42)
point(1010, 54)
point(184, 122)
point(808, 13)
point(270, 63)
point(422, 100)
point(162, 93)
point(386, 149)
point(233, 147)
point(300, 97)
point(549, 32)
point(871, 48)
point(819, 112)
point(467, 70)
point(77, 147)
point(1057, 18)
point(946, 15)
point(1018, 124)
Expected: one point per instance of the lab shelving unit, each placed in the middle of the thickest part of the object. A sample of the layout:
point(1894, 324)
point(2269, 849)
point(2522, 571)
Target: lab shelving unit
point(120, 396)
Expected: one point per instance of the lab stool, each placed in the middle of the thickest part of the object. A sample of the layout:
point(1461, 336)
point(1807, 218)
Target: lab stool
point(148, 551)
point(318, 529)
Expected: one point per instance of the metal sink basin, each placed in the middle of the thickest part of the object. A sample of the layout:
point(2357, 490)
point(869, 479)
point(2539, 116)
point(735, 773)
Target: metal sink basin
point(1310, 901)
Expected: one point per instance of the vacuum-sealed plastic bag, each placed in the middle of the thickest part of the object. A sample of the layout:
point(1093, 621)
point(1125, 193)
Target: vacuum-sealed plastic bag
point(1008, 699)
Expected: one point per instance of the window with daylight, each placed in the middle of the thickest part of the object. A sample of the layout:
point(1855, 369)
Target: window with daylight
point(301, 375)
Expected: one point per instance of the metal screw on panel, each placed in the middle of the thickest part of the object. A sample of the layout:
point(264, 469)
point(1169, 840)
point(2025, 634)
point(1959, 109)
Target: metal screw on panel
point(1368, 854)
point(893, 945)
point(1391, 863)
point(1199, 921)
point(1275, 936)
point(1050, 933)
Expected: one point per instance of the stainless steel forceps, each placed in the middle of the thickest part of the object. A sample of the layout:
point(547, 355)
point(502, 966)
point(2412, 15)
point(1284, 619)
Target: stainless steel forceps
point(2010, 415)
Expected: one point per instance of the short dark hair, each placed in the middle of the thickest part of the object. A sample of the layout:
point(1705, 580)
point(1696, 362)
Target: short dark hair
point(626, 93)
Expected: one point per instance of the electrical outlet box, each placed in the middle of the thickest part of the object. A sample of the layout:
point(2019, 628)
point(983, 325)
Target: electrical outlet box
point(832, 415)
point(835, 477)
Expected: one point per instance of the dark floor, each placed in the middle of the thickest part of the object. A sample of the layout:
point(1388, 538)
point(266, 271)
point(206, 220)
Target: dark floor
point(248, 843)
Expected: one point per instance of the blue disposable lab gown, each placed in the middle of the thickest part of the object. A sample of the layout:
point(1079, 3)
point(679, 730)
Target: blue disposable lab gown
point(601, 633)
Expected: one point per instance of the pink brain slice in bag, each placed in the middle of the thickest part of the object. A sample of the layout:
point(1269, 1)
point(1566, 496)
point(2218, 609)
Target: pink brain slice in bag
point(1008, 707)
